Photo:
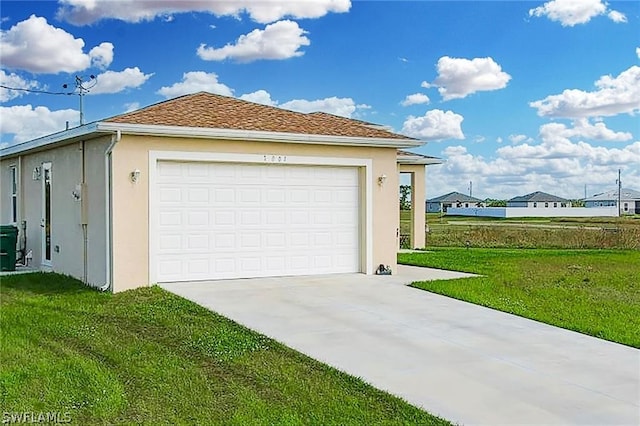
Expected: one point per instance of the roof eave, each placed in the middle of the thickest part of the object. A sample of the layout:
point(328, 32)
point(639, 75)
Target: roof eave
point(49, 141)
point(256, 135)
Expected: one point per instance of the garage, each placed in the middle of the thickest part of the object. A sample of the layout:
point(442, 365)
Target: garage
point(225, 220)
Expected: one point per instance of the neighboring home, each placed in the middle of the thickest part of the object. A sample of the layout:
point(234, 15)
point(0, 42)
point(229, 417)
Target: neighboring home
point(539, 199)
point(206, 187)
point(629, 200)
point(452, 199)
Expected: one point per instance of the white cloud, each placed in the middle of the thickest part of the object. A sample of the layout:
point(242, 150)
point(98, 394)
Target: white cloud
point(102, 55)
point(459, 77)
point(516, 139)
point(14, 80)
point(582, 128)
point(415, 99)
point(114, 82)
point(280, 40)
point(573, 12)
point(260, 97)
point(617, 17)
point(82, 12)
point(434, 125)
point(343, 107)
point(196, 81)
point(50, 49)
point(638, 52)
point(615, 95)
point(26, 122)
point(131, 106)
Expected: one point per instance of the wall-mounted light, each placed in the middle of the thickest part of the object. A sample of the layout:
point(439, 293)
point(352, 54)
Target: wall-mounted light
point(382, 179)
point(37, 171)
point(135, 175)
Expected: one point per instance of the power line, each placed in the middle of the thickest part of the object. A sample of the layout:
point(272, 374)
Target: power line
point(46, 92)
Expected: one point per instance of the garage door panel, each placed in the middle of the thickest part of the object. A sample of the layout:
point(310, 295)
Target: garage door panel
point(223, 220)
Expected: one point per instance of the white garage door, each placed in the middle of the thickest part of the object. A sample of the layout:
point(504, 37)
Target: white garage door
point(229, 220)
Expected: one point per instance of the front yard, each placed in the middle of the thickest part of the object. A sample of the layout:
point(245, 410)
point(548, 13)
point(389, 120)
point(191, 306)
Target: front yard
point(149, 357)
point(596, 292)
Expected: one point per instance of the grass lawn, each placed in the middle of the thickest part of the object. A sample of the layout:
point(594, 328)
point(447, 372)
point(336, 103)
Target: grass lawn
point(596, 292)
point(149, 357)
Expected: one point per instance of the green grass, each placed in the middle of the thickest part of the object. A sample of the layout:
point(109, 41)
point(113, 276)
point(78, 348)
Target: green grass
point(149, 357)
point(596, 292)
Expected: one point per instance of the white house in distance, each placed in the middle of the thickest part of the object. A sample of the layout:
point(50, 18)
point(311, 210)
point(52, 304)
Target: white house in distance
point(629, 200)
point(539, 199)
point(452, 199)
point(536, 204)
point(206, 187)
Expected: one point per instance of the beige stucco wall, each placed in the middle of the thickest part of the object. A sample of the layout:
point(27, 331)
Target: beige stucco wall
point(131, 200)
point(67, 255)
point(418, 198)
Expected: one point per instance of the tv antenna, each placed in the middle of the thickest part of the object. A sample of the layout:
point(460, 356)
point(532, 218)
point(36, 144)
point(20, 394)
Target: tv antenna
point(82, 88)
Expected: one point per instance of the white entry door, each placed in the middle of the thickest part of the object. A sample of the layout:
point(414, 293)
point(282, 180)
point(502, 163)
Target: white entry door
point(230, 220)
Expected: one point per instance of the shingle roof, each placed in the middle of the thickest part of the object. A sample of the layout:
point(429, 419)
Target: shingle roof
point(539, 196)
point(454, 197)
point(625, 194)
point(207, 110)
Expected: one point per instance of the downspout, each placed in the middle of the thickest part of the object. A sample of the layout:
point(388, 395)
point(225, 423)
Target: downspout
point(115, 138)
point(84, 217)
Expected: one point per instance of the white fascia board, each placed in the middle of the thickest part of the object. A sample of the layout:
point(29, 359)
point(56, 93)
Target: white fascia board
point(418, 160)
point(64, 136)
point(255, 135)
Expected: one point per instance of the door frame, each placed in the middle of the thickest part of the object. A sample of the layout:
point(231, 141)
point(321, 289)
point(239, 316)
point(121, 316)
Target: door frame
point(45, 218)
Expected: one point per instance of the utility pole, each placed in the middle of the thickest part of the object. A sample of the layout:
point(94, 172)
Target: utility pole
point(82, 89)
point(619, 182)
point(470, 188)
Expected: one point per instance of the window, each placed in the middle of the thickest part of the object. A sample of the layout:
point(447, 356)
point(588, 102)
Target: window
point(535, 204)
point(555, 204)
point(14, 194)
point(626, 207)
point(546, 204)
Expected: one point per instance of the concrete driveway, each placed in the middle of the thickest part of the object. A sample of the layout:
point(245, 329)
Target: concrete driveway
point(466, 363)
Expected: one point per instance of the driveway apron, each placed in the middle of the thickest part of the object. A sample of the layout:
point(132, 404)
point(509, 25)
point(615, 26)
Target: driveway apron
point(463, 362)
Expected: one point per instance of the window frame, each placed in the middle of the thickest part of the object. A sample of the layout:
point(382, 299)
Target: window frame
point(13, 169)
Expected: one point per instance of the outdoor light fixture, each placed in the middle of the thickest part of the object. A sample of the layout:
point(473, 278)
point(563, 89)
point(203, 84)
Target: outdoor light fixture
point(382, 179)
point(135, 175)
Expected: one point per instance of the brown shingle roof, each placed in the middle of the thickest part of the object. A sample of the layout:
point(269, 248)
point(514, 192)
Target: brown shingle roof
point(221, 112)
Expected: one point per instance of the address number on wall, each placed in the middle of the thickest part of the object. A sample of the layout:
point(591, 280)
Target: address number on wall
point(275, 158)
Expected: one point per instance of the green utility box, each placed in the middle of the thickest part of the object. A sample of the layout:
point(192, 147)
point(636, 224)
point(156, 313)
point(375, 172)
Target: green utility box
point(8, 241)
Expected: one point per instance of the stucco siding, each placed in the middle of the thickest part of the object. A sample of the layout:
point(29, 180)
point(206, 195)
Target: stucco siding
point(67, 246)
point(131, 200)
point(96, 193)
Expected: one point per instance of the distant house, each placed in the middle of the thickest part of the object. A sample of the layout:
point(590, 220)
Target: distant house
point(629, 200)
point(539, 199)
point(452, 199)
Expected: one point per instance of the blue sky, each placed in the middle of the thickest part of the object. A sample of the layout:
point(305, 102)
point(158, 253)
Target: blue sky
point(516, 96)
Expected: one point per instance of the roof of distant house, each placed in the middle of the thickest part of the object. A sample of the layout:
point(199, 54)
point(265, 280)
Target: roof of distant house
point(625, 194)
point(454, 197)
point(538, 196)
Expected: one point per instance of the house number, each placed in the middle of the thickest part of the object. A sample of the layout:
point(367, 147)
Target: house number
point(275, 158)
